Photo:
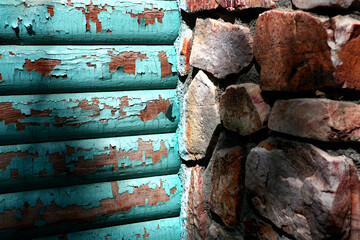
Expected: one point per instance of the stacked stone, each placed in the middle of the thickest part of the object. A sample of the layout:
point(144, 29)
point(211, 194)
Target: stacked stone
point(271, 117)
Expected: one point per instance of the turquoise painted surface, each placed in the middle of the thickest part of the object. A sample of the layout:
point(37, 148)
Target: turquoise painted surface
point(33, 118)
point(43, 165)
point(85, 68)
point(59, 210)
point(163, 229)
point(89, 21)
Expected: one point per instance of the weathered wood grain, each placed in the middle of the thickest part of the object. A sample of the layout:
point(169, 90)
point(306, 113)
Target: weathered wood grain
point(163, 229)
point(60, 210)
point(46, 69)
point(33, 118)
point(89, 21)
point(43, 165)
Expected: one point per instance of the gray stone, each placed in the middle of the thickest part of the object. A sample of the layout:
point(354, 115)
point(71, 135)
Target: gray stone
point(320, 119)
point(242, 108)
point(200, 119)
point(310, 4)
point(221, 48)
point(303, 190)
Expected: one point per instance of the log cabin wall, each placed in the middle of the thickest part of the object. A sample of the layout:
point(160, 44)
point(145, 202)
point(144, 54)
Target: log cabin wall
point(88, 119)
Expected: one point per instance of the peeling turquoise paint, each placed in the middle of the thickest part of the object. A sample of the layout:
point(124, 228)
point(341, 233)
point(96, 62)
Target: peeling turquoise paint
point(83, 68)
point(163, 229)
point(54, 163)
point(111, 22)
point(88, 200)
point(31, 118)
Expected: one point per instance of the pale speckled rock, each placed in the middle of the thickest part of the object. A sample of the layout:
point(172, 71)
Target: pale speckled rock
point(242, 108)
point(347, 39)
point(303, 190)
point(183, 47)
point(231, 5)
point(292, 51)
point(310, 4)
point(221, 48)
point(320, 119)
point(197, 218)
point(227, 180)
point(200, 119)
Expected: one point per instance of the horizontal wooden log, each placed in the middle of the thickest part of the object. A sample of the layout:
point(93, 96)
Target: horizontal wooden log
point(89, 21)
point(53, 164)
point(33, 118)
point(45, 69)
point(61, 210)
point(163, 229)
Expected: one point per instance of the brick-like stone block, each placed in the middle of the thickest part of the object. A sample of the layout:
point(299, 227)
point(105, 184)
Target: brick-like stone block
point(221, 48)
point(303, 190)
point(200, 119)
point(320, 119)
point(310, 4)
point(200, 5)
point(197, 217)
point(227, 180)
point(242, 108)
point(292, 51)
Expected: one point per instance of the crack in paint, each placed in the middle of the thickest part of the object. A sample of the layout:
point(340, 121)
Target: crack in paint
point(43, 65)
point(91, 13)
point(50, 9)
point(165, 65)
point(126, 60)
point(149, 15)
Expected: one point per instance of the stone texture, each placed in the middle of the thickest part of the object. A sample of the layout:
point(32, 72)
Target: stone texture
point(258, 229)
point(303, 190)
point(200, 119)
point(231, 5)
point(320, 119)
point(197, 218)
point(292, 51)
point(183, 47)
point(347, 39)
point(227, 180)
point(216, 232)
point(310, 4)
point(242, 108)
point(221, 48)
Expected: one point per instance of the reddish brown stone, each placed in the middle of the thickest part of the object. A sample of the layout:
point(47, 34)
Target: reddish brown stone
point(320, 119)
point(221, 48)
point(310, 4)
point(259, 229)
point(200, 5)
point(293, 53)
point(347, 38)
point(227, 179)
point(303, 190)
point(197, 218)
point(242, 108)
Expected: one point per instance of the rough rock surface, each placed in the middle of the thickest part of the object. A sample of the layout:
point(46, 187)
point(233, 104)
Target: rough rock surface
point(183, 49)
point(200, 5)
point(200, 119)
point(216, 232)
point(221, 48)
point(292, 51)
point(258, 229)
point(347, 39)
point(303, 190)
point(242, 108)
point(320, 119)
point(310, 4)
point(197, 218)
point(227, 179)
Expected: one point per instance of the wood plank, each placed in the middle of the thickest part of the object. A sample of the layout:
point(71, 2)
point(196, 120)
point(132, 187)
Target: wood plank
point(75, 208)
point(89, 21)
point(33, 118)
point(163, 229)
point(46, 69)
point(44, 165)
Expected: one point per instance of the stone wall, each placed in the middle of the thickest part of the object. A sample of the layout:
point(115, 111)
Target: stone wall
point(270, 129)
